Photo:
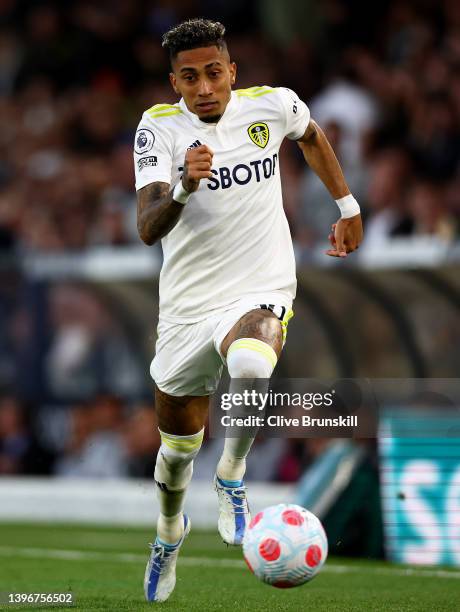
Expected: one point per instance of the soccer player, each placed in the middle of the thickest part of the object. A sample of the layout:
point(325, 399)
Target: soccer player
point(208, 185)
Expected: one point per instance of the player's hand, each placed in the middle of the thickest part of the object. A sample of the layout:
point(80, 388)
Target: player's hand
point(346, 236)
point(197, 165)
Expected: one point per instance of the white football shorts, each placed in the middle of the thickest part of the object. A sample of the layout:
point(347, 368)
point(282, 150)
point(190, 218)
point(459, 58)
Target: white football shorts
point(188, 360)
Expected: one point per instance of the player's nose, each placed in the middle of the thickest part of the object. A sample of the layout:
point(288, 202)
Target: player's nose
point(205, 88)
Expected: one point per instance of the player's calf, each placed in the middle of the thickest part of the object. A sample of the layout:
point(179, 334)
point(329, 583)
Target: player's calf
point(173, 472)
point(250, 361)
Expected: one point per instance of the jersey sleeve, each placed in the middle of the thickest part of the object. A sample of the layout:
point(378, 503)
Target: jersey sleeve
point(152, 153)
point(296, 112)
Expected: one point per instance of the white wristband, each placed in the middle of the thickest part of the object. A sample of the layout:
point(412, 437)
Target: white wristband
point(180, 194)
point(349, 207)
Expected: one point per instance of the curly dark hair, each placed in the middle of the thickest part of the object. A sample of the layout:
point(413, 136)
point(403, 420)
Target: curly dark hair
point(192, 34)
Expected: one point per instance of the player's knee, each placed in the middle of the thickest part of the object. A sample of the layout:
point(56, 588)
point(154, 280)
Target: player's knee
point(250, 358)
point(174, 465)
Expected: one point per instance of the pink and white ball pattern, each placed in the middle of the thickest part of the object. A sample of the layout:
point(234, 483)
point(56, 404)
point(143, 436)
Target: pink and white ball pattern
point(285, 545)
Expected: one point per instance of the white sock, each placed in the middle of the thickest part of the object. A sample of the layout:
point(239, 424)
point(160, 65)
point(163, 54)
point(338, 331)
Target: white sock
point(170, 528)
point(173, 472)
point(247, 358)
point(250, 358)
point(232, 464)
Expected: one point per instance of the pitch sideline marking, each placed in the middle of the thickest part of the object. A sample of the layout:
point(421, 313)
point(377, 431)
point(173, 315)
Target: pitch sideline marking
point(80, 555)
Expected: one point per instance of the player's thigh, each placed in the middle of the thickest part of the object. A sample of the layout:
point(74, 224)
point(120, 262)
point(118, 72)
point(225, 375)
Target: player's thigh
point(260, 324)
point(181, 415)
point(186, 363)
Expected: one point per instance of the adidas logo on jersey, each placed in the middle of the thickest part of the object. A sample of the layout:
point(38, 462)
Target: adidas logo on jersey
point(195, 144)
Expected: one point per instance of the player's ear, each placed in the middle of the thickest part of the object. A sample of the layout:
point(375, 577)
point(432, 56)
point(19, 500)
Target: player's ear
point(172, 80)
point(232, 72)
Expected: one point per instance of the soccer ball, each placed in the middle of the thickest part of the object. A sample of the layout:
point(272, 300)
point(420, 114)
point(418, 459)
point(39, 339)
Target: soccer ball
point(285, 545)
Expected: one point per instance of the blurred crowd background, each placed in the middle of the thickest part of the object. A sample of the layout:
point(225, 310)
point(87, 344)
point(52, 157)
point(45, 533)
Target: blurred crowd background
point(382, 79)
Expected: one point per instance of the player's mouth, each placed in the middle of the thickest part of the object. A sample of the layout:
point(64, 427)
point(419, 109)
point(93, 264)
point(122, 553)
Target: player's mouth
point(206, 107)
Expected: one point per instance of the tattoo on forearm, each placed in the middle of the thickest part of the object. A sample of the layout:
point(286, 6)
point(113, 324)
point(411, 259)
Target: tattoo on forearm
point(157, 212)
point(188, 183)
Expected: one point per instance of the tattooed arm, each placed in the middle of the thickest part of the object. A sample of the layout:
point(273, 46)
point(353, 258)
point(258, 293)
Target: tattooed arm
point(157, 211)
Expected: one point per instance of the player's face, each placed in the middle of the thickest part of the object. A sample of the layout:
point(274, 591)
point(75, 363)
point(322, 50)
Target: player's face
point(204, 78)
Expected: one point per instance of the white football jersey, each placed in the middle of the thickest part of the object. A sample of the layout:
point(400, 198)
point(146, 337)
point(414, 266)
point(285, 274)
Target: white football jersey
point(232, 239)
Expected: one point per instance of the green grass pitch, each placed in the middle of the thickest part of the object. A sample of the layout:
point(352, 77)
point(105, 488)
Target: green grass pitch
point(104, 568)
